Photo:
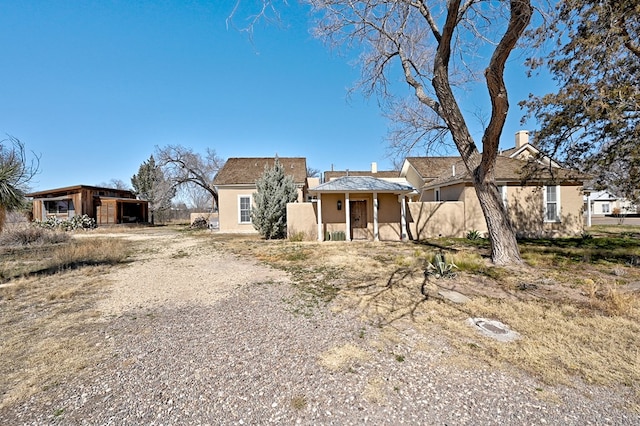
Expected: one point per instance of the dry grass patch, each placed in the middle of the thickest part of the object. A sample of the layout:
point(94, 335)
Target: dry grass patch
point(342, 358)
point(49, 331)
point(50, 328)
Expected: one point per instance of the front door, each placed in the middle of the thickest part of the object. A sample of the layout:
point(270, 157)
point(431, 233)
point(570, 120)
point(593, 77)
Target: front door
point(358, 219)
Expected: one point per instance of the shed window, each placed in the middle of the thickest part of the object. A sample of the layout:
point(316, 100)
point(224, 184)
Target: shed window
point(58, 206)
point(244, 209)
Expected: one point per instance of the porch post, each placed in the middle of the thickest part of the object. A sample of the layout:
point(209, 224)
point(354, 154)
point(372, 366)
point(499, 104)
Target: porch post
point(319, 206)
point(375, 217)
point(403, 218)
point(589, 209)
point(347, 212)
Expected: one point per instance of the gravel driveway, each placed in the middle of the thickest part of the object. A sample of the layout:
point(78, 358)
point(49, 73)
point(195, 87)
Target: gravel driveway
point(195, 337)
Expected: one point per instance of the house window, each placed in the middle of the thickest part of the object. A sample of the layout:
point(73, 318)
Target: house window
point(502, 190)
point(244, 209)
point(552, 204)
point(605, 208)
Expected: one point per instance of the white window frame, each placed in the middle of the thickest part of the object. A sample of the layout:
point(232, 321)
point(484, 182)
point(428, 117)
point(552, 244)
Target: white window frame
point(503, 195)
point(557, 203)
point(240, 209)
point(606, 208)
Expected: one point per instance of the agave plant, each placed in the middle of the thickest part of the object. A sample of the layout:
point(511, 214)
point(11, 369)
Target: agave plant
point(439, 268)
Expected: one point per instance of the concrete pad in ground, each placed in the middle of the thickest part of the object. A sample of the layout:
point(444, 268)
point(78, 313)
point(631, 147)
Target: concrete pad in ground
point(454, 296)
point(494, 329)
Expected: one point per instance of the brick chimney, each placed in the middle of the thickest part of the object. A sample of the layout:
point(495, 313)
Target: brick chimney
point(522, 138)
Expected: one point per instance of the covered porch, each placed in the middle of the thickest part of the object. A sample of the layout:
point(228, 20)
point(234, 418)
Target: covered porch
point(361, 208)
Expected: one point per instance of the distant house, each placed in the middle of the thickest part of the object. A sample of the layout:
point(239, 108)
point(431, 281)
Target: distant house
point(236, 184)
point(107, 206)
point(603, 203)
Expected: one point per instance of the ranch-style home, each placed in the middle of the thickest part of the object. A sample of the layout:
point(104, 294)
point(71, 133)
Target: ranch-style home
point(434, 196)
point(236, 184)
point(107, 206)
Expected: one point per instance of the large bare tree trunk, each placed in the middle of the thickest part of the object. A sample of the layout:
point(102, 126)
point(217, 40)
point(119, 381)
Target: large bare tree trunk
point(504, 246)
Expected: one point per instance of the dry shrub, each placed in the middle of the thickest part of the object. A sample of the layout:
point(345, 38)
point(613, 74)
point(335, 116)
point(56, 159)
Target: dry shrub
point(24, 234)
point(50, 331)
point(93, 251)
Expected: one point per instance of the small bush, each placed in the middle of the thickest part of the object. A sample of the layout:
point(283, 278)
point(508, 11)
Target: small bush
point(473, 235)
point(75, 223)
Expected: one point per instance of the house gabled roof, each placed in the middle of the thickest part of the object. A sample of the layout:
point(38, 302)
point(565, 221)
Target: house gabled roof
point(247, 170)
point(361, 184)
point(380, 174)
point(429, 167)
point(509, 170)
point(533, 152)
point(603, 195)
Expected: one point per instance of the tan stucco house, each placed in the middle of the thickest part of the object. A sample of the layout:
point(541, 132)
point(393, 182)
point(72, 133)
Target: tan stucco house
point(236, 184)
point(107, 206)
point(541, 202)
point(434, 196)
point(542, 198)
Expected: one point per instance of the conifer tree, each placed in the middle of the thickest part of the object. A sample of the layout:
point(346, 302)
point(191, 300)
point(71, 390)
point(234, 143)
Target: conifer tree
point(151, 185)
point(275, 190)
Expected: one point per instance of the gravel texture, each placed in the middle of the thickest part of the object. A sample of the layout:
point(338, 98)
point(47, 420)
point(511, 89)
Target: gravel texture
point(219, 345)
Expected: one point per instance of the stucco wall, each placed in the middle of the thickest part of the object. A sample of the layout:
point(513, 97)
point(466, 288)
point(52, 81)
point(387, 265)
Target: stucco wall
point(302, 221)
point(526, 208)
point(228, 210)
point(452, 193)
point(435, 219)
point(474, 217)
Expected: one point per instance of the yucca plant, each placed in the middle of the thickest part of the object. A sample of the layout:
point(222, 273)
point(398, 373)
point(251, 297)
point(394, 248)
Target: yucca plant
point(439, 268)
point(15, 173)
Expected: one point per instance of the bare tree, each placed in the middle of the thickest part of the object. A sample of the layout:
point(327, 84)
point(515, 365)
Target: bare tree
point(313, 172)
point(436, 45)
point(182, 166)
point(16, 171)
point(115, 184)
point(196, 197)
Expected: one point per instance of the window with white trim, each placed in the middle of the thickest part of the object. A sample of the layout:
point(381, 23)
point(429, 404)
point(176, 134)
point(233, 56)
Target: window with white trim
point(552, 203)
point(502, 189)
point(244, 209)
point(605, 208)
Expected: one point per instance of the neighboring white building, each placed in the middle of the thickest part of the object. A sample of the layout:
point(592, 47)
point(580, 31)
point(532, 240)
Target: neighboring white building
point(605, 203)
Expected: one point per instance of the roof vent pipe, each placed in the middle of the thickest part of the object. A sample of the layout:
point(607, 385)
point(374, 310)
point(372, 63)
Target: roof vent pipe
point(453, 170)
point(374, 167)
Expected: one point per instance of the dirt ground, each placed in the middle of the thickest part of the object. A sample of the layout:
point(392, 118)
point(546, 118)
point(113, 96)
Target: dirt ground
point(186, 332)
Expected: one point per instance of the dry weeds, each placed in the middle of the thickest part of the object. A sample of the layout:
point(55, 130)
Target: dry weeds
point(47, 312)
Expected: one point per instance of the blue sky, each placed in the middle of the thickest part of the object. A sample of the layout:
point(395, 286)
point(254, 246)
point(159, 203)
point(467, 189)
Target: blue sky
point(93, 86)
